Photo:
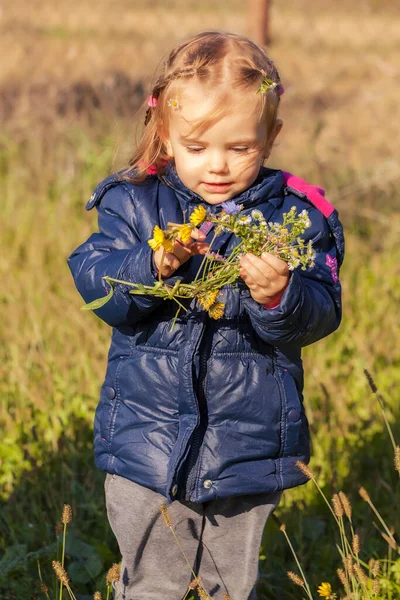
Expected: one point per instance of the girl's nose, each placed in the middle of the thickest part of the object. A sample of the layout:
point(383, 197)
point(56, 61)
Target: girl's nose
point(217, 163)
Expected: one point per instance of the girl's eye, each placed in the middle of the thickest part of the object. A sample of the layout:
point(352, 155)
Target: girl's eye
point(240, 149)
point(194, 149)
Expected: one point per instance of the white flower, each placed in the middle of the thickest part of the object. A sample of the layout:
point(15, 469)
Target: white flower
point(173, 103)
point(257, 215)
point(293, 264)
point(305, 219)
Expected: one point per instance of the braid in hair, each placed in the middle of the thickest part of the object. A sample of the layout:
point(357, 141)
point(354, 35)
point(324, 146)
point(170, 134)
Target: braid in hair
point(163, 82)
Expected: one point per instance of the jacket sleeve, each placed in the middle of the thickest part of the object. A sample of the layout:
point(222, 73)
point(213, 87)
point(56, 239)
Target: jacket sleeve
point(116, 251)
point(310, 307)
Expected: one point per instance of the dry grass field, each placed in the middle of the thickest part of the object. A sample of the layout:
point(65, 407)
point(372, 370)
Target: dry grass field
point(73, 78)
point(339, 62)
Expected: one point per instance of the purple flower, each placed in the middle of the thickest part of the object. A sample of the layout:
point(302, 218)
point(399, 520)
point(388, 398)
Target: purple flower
point(331, 261)
point(231, 207)
point(216, 256)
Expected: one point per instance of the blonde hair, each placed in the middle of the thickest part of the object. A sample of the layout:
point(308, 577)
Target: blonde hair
point(217, 59)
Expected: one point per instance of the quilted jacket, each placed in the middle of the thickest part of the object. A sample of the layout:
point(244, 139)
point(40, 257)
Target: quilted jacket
point(208, 408)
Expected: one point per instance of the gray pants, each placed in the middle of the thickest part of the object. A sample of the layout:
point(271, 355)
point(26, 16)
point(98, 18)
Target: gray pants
point(220, 538)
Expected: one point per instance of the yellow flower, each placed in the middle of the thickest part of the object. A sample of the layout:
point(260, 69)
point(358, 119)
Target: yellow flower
point(185, 233)
point(198, 215)
point(216, 311)
point(325, 590)
point(168, 245)
point(207, 299)
point(158, 238)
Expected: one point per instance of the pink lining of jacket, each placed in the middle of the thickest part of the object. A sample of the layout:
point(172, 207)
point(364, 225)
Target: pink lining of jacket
point(314, 193)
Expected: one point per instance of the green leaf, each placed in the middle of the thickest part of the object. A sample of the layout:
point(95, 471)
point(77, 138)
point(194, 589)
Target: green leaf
point(87, 562)
point(100, 301)
point(141, 290)
point(13, 561)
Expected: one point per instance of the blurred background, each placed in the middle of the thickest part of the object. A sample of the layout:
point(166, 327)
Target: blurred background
point(73, 79)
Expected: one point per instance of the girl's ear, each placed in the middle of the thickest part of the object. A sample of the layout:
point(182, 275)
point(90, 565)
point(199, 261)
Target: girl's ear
point(272, 137)
point(168, 147)
point(278, 127)
point(163, 134)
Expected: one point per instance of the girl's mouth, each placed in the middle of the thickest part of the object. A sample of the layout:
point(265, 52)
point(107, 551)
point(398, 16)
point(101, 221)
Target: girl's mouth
point(217, 188)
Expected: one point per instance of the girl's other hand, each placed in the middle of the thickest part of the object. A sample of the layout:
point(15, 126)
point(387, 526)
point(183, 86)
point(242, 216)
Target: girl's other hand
point(182, 252)
point(267, 277)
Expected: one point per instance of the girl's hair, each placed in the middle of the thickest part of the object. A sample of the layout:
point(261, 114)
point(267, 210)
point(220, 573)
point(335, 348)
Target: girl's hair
point(226, 62)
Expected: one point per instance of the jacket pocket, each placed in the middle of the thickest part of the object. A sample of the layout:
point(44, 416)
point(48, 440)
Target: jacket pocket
point(244, 408)
point(294, 422)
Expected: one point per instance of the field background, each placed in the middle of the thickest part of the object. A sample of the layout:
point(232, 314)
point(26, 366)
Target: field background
point(73, 79)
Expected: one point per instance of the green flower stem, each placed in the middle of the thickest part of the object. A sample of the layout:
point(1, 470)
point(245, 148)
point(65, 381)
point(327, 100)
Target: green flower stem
point(180, 304)
point(182, 550)
point(326, 500)
point(162, 263)
point(41, 579)
point(62, 558)
point(63, 544)
point(108, 279)
point(388, 427)
point(175, 318)
point(347, 547)
point(342, 534)
point(204, 258)
point(386, 528)
point(306, 586)
point(70, 592)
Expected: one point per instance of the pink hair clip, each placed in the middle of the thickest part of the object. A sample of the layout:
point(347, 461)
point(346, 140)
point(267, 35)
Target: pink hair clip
point(152, 102)
point(280, 90)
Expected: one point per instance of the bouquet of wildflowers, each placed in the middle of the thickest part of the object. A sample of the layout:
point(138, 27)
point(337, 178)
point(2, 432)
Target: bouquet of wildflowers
point(256, 236)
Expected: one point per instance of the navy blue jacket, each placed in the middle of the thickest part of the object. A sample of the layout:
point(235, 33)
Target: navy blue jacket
point(211, 408)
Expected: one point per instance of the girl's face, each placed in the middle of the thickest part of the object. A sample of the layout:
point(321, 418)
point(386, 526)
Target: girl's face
point(224, 160)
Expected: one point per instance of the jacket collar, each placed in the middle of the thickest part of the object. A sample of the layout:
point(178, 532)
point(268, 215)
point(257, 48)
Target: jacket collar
point(267, 187)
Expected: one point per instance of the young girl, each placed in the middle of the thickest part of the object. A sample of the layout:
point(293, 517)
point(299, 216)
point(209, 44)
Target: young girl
point(207, 415)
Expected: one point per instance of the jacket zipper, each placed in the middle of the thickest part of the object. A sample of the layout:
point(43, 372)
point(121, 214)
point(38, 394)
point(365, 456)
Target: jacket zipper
point(277, 376)
point(192, 460)
point(193, 454)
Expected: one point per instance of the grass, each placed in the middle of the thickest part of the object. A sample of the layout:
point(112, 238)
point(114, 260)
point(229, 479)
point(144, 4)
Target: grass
point(341, 130)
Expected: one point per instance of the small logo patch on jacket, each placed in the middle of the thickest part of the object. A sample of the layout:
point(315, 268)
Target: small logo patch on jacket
point(332, 263)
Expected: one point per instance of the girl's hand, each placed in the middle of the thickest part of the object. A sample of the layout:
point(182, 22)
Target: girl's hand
point(182, 252)
point(266, 276)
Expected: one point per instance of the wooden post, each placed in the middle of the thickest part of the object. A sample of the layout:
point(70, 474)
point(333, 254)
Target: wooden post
point(259, 21)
